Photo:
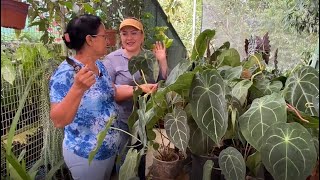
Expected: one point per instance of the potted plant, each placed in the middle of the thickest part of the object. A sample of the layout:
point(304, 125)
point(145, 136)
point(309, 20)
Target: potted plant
point(13, 14)
point(246, 118)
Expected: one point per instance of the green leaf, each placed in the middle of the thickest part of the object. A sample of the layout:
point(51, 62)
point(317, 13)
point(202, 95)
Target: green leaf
point(177, 128)
point(145, 61)
point(178, 70)
point(263, 87)
point(100, 138)
point(7, 70)
point(260, 116)
point(201, 43)
point(54, 169)
point(128, 169)
point(293, 117)
point(288, 151)
point(240, 91)
point(207, 170)
point(254, 163)
point(301, 87)
point(67, 4)
point(232, 164)
point(200, 143)
point(88, 8)
point(231, 73)
point(208, 103)
point(17, 167)
point(229, 57)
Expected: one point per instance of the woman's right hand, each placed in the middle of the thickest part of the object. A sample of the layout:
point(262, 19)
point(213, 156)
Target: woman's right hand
point(148, 88)
point(84, 79)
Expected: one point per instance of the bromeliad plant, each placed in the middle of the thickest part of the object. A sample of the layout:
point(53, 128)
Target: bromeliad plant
point(238, 111)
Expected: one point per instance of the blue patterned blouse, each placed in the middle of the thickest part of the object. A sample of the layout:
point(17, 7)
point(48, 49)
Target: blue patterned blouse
point(95, 109)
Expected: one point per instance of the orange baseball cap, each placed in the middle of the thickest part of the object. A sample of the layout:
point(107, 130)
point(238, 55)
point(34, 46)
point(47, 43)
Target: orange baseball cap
point(131, 22)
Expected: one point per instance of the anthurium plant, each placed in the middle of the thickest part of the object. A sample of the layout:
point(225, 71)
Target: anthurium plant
point(248, 116)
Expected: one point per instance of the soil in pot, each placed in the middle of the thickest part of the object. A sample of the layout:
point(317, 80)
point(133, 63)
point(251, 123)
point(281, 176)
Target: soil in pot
point(167, 169)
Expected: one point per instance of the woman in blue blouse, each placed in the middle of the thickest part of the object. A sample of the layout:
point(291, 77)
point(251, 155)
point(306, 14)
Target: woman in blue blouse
point(83, 100)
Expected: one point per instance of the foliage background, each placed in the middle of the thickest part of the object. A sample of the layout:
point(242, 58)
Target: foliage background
point(237, 20)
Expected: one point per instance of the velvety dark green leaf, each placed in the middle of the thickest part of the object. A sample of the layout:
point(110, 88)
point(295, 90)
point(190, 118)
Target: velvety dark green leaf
point(288, 151)
point(207, 170)
point(201, 43)
point(254, 163)
point(177, 128)
point(208, 103)
point(145, 61)
point(231, 73)
point(301, 87)
point(200, 143)
point(240, 90)
point(232, 164)
point(260, 116)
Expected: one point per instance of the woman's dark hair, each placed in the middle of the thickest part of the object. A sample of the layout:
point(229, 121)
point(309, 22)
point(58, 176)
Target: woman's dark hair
point(78, 28)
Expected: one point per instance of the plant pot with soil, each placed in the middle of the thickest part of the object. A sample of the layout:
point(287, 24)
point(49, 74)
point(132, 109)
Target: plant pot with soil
point(165, 165)
point(13, 14)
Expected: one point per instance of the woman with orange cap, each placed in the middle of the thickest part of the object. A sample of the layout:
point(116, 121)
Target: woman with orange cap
point(116, 63)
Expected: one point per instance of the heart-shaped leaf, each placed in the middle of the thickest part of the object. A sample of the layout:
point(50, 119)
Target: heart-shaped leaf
point(208, 103)
point(232, 164)
point(177, 128)
point(288, 151)
point(146, 62)
point(260, 116)
point(200, 45)
point(128, 169)
point(301, 86)
point(240, 91)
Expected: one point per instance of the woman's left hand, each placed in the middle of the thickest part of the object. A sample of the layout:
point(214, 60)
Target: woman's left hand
point(159, 51)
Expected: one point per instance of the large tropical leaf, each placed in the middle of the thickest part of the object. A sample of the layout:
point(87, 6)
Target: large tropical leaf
point(179, 69)
point(240, 91)
point(301, 87)
point(201, 44)
point(231, 73)
point(260, 116)
point(128, 169)
point(264, 86)
point(232, 164)
point(288, 151)
point(229, 57)
point(177, 128)
point(145, 61)
point(208, 103)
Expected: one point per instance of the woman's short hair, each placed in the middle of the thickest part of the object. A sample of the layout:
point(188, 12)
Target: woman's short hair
point(78, 28)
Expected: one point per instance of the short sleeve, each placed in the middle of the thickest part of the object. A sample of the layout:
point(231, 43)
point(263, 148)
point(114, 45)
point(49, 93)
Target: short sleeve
point(107, 62)
point(60, 83)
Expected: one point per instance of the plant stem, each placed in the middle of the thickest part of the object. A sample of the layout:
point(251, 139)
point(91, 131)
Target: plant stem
point(126, 133)
point(297, 112)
